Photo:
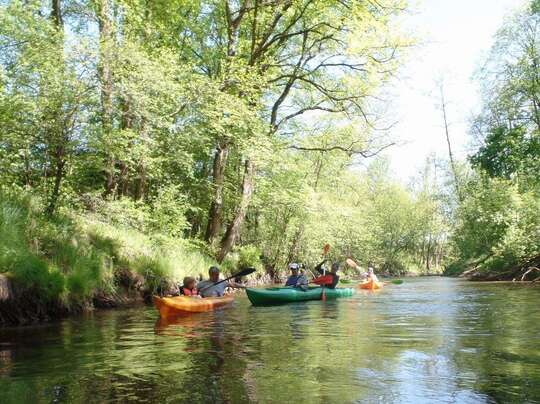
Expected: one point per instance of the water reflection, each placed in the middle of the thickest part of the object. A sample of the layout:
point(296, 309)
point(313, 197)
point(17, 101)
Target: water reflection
point(428, 340)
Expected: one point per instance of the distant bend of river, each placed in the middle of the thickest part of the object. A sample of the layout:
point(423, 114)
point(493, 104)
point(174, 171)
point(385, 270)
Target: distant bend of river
point(428, 340)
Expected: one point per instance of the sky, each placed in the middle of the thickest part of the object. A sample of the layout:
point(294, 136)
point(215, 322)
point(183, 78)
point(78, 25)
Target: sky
point(454, 36)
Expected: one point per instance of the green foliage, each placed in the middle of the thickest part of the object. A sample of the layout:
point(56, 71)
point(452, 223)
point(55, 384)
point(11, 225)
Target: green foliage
point(369, 217)
point(249, 256)
point(497, 224)
point(71, 259)
point(116, 120)
point(510, 152)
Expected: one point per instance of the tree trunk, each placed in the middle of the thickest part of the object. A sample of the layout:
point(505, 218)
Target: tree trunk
point(58, 176)
point(56, 13)
point(428, 254)
point(140, 188)
point(293, 251)
point(234, 228)
point(450, 155)
point(218, 175)
point(110, 182)
point(57, 137)
point(106, 80)
point(122, 180)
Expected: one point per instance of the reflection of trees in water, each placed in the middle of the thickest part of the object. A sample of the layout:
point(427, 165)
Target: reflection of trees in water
point(463, 343)
point(499, 342)
point(6, 363)
point(216, 371)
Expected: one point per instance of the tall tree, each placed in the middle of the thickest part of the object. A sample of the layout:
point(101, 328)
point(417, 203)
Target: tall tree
point(443, 104)
point(106, 44)
point(508, 128)
point(57, 136)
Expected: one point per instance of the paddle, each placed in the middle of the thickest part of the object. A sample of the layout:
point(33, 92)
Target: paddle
point(326, 248)
point(323, 280)
point(243, 272)
point(353, 264)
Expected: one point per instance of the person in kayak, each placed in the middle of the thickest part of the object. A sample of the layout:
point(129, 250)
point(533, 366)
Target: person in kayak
point(188, 288)
point(370, 274)
point(332, 273)
point(212, 287)
point(296, 279)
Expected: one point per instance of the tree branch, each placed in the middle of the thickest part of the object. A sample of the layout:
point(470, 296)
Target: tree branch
point(349, 150)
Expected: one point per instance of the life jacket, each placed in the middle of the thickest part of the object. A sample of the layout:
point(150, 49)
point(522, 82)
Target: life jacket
point(189, 292)
point(331, 280)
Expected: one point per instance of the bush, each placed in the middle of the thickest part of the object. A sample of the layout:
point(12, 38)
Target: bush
point(72, 258)
point(498, 226)
point(393, 267)
point(249, 256)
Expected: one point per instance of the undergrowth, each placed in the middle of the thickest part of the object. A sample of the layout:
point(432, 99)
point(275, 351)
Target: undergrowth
point(70, 257)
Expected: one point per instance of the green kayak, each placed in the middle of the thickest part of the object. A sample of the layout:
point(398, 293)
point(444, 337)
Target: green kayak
point(269, 296)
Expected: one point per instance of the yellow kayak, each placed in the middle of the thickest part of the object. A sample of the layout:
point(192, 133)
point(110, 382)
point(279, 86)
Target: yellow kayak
point(178, 305)
point(370, 285)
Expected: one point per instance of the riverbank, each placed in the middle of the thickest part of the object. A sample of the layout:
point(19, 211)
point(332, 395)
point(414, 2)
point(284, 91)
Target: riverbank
point(99, 254)
point(526, 272)
point(65, 264)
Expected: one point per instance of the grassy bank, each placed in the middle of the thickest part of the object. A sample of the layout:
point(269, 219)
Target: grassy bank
point(72, 261)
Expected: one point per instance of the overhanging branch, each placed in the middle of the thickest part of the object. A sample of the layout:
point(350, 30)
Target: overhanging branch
point(350, 150)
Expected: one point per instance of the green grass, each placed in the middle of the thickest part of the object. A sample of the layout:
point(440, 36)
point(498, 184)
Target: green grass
point(69, 258)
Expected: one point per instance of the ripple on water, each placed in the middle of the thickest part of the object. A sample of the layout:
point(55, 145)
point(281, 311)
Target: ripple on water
point(427, 340)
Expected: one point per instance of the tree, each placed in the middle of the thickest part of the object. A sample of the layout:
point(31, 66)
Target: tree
point(508, 129)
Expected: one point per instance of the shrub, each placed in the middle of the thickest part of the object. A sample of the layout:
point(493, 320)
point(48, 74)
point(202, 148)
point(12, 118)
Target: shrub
point(72, 258)
point(249, 256)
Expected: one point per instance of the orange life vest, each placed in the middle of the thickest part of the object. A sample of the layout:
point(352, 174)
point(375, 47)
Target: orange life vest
point(189, 292)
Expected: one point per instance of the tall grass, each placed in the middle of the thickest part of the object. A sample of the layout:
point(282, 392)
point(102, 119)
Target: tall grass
point(72, 257)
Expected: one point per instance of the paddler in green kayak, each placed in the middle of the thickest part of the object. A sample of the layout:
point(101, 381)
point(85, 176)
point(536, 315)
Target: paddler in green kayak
point(296, 279)
point(330, 278)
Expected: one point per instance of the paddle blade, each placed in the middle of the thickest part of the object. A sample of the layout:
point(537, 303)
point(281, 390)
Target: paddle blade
point(351, 263)
point(323, 280)
point(323, 294)
point(326, 249)
point(396, 281)
point(244, 272)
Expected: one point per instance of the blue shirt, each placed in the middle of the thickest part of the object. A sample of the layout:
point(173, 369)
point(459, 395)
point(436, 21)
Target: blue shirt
point(294, 280)
point(212, 291)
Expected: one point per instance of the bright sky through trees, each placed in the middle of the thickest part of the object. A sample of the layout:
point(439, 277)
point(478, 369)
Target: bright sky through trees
point(455, 36)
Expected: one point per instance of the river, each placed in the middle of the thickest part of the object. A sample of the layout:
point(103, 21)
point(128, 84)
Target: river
point(427, 340)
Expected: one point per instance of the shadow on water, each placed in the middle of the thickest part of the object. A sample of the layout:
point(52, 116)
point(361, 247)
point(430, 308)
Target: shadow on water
point(428, 340)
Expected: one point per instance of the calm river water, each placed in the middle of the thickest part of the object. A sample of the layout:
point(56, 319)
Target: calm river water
point(427, 340)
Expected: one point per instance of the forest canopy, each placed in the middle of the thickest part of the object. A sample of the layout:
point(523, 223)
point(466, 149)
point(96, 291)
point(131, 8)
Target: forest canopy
point(244, 132)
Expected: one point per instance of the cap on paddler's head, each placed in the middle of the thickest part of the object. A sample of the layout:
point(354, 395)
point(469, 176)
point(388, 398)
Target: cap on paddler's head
point(294, 266)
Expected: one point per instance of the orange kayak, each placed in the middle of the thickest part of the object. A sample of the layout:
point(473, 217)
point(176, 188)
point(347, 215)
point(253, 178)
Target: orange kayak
point(178, 305)
point(370, 285)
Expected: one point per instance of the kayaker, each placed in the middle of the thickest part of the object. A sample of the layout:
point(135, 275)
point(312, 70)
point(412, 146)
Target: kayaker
point(333, 273)
point(213, 288)
point(371, 273)
point(296, 279)
point(188, 288)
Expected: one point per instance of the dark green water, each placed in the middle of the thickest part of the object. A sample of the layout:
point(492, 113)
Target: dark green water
point(428, 340)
